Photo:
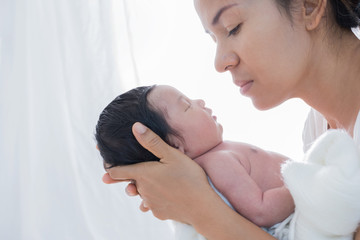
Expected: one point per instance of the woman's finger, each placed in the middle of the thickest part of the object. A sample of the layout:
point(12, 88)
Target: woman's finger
point(152, 142)
point(131, 190)
point(129, 172)
point(149, 140)
point(144, 207)
point(108, 180)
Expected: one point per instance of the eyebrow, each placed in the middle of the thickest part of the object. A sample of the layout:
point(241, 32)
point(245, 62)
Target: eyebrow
point(221, 11)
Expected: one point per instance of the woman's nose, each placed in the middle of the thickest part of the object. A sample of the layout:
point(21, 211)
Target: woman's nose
point(225, 59)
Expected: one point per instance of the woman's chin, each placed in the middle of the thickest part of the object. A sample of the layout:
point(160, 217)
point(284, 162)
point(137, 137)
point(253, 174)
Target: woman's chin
point(264, 105)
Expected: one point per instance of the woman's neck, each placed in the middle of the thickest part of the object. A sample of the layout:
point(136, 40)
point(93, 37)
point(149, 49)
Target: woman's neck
point(333, 86)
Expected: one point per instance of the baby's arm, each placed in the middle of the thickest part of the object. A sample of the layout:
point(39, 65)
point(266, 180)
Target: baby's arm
point(231, 178)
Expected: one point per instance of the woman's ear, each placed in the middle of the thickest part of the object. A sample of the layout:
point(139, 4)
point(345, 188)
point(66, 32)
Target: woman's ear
point(313, 11)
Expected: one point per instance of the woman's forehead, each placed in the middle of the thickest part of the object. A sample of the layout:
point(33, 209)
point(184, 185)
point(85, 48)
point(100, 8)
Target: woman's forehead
point(210, 11)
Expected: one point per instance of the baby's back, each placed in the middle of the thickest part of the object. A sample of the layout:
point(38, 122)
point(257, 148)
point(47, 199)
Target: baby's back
point(250, 180)
point(262, 166)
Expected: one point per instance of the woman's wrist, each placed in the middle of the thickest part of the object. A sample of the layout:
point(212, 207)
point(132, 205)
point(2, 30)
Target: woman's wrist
point(215, 220)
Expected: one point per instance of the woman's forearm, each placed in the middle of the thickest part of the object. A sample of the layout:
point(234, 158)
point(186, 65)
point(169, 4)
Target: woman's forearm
point(217, 221)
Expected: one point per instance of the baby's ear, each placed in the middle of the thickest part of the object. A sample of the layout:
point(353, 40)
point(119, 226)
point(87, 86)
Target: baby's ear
point(177, 143)
point(181, 149)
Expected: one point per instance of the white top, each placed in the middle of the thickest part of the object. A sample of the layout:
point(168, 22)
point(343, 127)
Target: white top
point(316, 125)
point(356, 31)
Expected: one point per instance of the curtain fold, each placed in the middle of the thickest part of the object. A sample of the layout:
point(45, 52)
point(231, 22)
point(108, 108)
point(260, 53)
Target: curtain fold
point(61, 62)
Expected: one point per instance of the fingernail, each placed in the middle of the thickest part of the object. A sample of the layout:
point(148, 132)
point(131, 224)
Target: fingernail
point(139, 128)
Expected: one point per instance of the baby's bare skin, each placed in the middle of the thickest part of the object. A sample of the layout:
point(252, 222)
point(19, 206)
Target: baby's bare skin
point(250, 179)
point(247, 176)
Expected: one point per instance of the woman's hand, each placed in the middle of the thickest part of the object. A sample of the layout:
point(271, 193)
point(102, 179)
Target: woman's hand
point(177, 188)
point(130, 189)
point(171, 187)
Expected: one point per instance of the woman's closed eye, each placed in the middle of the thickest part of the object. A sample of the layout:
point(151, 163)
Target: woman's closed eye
point(235, 30)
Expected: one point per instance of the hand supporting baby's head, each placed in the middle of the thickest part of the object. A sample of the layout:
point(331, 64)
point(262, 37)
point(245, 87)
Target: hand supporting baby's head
point(115, 141)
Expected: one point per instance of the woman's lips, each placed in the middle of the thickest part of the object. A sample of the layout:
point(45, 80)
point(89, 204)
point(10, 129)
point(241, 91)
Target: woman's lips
point(245, 86)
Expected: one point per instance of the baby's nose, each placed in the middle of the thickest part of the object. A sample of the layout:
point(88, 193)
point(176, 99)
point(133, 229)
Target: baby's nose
point(201, 102)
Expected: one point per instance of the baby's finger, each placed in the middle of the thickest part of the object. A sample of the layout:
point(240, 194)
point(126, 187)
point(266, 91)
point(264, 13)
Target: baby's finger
point(149, 140)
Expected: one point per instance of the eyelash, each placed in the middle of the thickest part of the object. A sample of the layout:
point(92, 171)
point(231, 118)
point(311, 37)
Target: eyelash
point(189, 106)
point(235, 30)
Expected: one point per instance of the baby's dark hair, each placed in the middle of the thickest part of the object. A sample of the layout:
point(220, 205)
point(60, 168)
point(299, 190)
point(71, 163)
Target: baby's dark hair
point(115, 141)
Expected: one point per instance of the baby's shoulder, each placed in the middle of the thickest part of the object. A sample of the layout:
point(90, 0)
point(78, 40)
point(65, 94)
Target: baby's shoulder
point(215, 155)
point(238, 148)
point(225, 153)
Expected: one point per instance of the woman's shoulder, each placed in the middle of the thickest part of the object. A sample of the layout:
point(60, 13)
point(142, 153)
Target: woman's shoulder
point(314, 126)
point(356, 132)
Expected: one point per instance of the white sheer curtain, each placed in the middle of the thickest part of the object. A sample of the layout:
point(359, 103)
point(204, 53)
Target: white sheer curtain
point(61, 62)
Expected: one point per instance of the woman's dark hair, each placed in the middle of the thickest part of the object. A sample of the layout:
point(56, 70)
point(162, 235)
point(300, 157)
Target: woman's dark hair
point(346, 12)
point(115, 141)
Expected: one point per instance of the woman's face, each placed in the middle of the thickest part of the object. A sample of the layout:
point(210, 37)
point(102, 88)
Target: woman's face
point(265, 50)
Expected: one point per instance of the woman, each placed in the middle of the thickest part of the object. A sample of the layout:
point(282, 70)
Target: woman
point(275, 50)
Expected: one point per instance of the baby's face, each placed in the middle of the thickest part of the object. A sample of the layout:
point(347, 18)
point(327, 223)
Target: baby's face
point(190, 118)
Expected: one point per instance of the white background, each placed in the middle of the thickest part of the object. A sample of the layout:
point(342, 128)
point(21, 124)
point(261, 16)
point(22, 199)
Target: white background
point(171, 47)
point(61, 63)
